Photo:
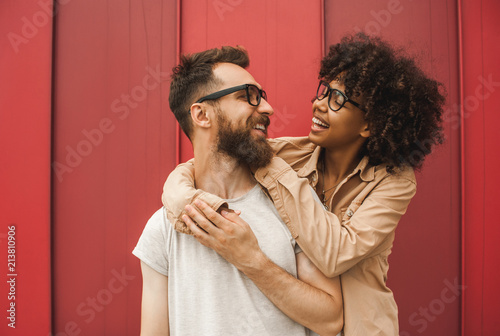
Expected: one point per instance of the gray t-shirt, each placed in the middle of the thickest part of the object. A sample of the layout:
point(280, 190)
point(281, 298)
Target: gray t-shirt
point(206, 294)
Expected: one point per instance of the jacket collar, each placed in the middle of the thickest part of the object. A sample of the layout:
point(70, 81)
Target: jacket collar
point(310, 169)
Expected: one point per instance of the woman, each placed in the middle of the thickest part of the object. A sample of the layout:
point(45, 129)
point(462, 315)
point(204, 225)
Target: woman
point(375, 117)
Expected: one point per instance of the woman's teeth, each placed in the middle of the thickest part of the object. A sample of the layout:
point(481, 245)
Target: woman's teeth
point(319, 122)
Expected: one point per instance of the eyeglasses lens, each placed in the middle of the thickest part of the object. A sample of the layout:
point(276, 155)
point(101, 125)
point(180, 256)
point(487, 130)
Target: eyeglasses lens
point(254, 95)
point(322, 91)
point(337, 100)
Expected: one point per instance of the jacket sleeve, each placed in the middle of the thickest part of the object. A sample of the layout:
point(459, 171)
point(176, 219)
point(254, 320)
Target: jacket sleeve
point(296, 151)
point(334, 245)
point(179, 190)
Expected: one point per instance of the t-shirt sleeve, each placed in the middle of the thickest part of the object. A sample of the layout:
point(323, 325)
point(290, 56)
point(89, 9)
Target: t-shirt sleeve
point(297, 248)
point(153, 245)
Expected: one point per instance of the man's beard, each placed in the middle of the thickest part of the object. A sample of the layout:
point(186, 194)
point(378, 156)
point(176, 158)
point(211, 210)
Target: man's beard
point(240, 144)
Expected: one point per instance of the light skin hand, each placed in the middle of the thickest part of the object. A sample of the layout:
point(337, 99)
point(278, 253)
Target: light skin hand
point(227, 234)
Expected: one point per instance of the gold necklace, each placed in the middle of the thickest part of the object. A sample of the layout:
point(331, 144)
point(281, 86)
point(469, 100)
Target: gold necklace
point(325, 200)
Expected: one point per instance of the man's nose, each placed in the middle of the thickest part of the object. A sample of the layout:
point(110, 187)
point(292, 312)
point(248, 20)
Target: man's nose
point(265, 108)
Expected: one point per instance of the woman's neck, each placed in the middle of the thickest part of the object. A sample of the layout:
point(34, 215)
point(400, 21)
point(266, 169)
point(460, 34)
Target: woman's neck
point(337, 165)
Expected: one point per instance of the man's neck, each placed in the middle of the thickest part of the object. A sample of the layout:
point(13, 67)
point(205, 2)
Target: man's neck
point(222, 175)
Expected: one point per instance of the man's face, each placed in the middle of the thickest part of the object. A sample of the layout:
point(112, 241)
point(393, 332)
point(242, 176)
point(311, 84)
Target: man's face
point(239, 143)
point(242, 128)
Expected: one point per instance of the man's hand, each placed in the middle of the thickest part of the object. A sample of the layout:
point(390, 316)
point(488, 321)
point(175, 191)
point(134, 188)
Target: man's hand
point(227, 234)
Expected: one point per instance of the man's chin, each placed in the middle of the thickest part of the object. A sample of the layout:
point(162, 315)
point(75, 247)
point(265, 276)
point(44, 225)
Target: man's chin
point(258, 134)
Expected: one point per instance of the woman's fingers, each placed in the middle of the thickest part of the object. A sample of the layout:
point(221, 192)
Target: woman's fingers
point(198, 233)
point(201, 220)
point(213, 216)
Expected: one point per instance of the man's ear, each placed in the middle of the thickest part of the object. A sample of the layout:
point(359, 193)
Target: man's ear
point(200, 115)
point(365, 132)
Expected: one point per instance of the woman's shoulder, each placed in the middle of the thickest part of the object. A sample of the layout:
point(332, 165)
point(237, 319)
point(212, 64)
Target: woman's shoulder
point(296, 151)
point(383, 171)
point(292, 144)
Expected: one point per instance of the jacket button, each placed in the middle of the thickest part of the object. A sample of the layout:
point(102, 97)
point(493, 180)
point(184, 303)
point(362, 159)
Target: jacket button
point(349, 213)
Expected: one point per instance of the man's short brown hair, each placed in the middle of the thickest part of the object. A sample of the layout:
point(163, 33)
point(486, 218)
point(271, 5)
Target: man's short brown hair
point(193, 78)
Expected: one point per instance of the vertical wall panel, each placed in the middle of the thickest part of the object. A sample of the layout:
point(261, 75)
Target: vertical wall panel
point(481, 83)
point(25, 114)
point(114, 145)
point(425, 262)
point(284, 41)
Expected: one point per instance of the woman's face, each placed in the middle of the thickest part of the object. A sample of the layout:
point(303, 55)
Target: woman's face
point(338, 130)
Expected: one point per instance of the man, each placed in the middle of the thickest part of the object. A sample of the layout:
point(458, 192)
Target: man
point(188, 289)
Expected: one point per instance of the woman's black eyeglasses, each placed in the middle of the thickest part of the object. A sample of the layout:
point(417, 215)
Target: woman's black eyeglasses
point(336, 98)
point(254, 94)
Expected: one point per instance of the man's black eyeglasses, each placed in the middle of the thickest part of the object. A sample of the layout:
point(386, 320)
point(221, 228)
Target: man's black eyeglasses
point(336, 98)
point(254, 94)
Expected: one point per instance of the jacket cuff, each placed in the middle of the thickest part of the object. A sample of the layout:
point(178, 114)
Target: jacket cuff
point(213, 201)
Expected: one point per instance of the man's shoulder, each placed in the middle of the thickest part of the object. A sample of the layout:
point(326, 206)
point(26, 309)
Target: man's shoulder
point(153, 245)
point(158, 217)
point(158, 223)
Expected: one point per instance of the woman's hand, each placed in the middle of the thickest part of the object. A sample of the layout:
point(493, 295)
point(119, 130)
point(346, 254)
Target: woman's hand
point(226, 233)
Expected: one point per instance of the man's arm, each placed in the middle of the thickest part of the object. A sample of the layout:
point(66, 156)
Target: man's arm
point(154, 315)
point(313, 300)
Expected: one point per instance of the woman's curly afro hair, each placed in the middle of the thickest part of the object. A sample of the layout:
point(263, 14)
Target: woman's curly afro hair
point(403, 106)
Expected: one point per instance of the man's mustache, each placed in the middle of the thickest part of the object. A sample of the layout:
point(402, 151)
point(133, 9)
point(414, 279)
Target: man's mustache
point(264, 120)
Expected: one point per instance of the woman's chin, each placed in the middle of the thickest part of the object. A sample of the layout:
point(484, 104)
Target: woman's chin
point(314, 138)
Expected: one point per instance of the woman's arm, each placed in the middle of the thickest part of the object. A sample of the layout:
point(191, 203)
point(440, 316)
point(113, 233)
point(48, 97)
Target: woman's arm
point(179, 190)
point(335, 247)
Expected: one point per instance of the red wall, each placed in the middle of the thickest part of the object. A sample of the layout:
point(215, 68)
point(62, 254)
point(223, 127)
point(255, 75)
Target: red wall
point(114, 146)
point(480, 117)
point(114, 141)
point(25, 131)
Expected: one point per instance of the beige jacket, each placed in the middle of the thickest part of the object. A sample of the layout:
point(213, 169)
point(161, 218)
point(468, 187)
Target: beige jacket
point(353, 241)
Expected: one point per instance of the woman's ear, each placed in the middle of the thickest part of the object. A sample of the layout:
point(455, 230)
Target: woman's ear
point(200, 115)
point(365, 132)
